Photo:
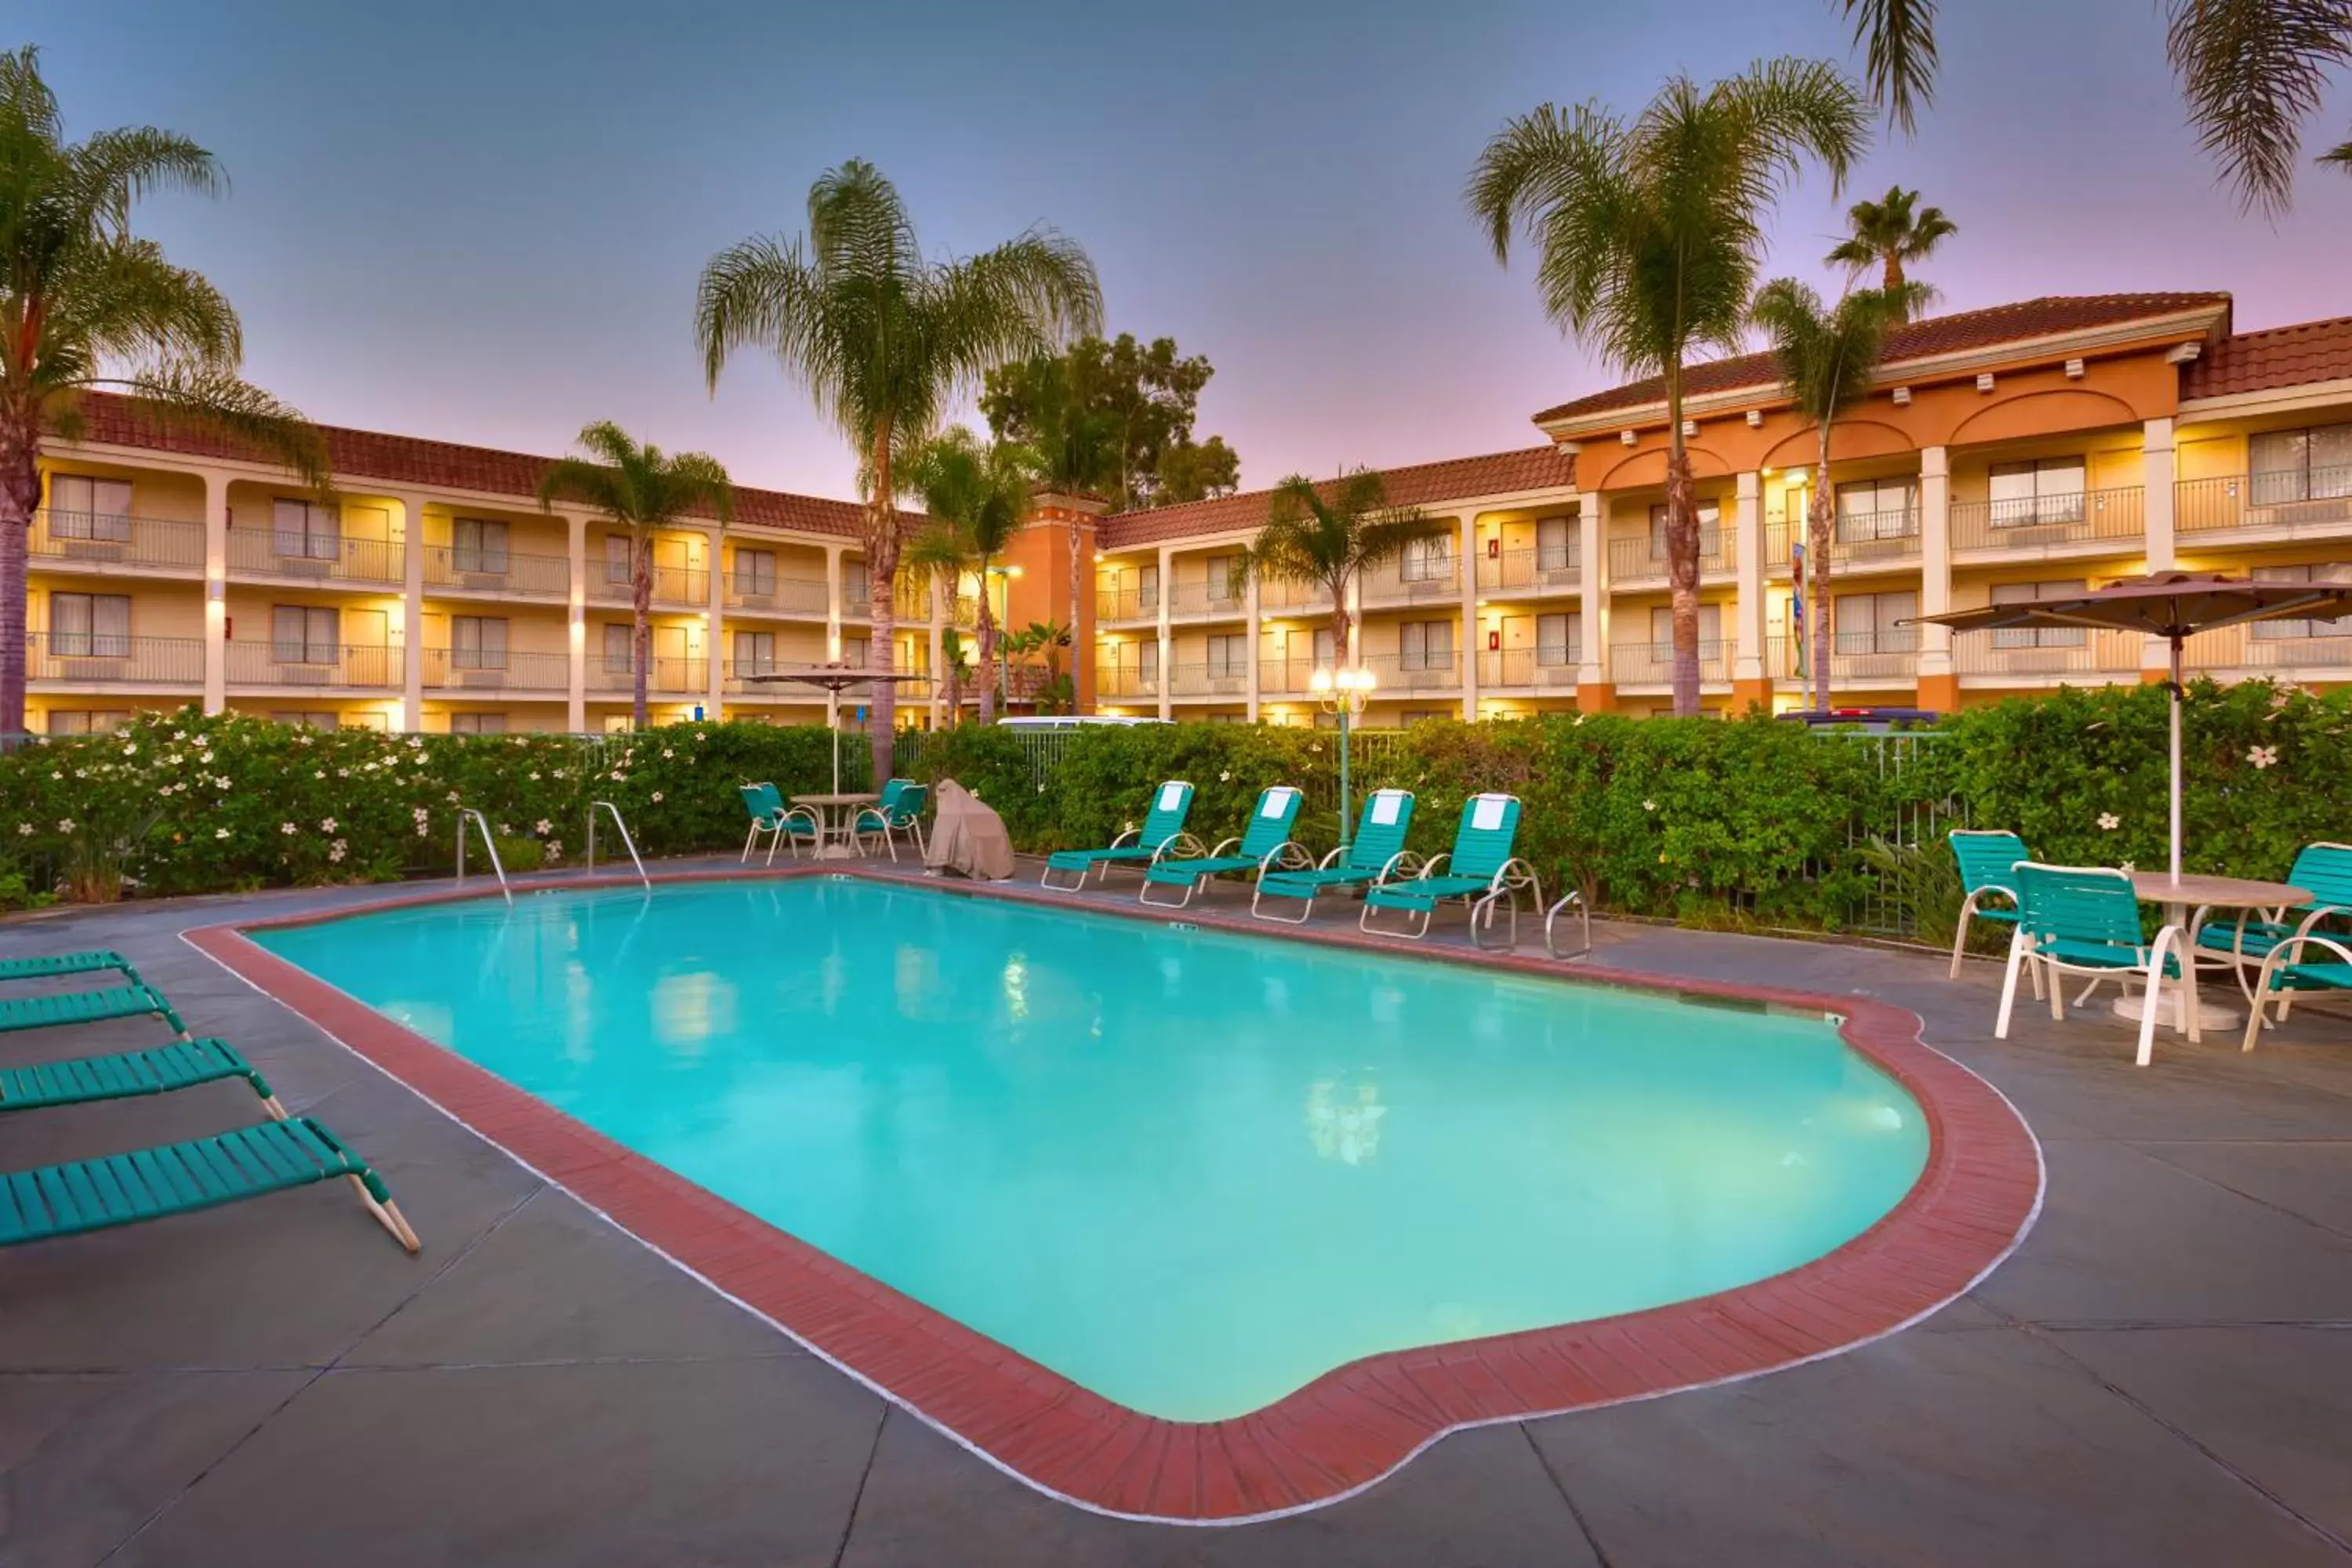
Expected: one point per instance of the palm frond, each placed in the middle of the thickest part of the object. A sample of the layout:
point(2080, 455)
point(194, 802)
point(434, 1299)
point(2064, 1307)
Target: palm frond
point(2253, 71)
point(1897, 39)
point(222, 405)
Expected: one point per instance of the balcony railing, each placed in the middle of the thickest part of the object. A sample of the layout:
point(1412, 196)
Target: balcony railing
point(1276, 593)
point(1528, 670)
point(2319, 502)
point(2039, 522)
point(286, 664)
point(1856, 539)
point(669, 675)
point(1210, 680)
point(1285, 677)
point(1414, 672)
point(2267, 645)
point(105, 538)
point(687, 587)
point(1538, 566)
point(2047, 651)
point(498, 571)
point(1652, 663)
point(97, 658)
point(1211, 597)
point(512, 669)
point(1120, 681)
point(267, 552)
point(781, 596)
point(1411, 582)
point(1855, 658)
point(1127, 602)
point(1643, 559)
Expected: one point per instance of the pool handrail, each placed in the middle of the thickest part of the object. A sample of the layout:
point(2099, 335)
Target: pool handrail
point(488, 843)
point(626, 841)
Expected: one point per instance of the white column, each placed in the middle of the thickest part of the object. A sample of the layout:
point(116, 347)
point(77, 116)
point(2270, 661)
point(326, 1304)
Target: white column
point(1166, 644)
point(714, 633)
point(1472, 642)
point(833, 605)
point(1255, 644)
point(1748, 554)
point(939, 653)
point(216, 593)
point(1592, 586)
point(2156, 502)
point(1934, 558)
point(575, 683)
point(412, 613)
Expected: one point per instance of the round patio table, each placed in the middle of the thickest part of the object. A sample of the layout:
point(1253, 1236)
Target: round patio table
point(837, 815)
point(2181, 897)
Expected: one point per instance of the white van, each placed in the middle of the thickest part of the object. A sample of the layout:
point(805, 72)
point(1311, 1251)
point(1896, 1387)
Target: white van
point(1068, 720)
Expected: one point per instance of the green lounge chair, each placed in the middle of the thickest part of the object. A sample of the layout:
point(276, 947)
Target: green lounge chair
point(1162, 833)
point(1264, 844)
point(898, 811)
point(2288, 968)
point(2322, 870)
point(783, 824)
point(1374, 855)
point(94, 962)
point(183, 1064)
point(1480, 869)
point(1985, 857)
point(181, 1178)
point(2084, 919)
point(138, 1001)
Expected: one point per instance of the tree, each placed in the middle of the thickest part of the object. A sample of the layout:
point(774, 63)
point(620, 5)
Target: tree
point(1827, 357)
point(977, 495)
point(1125, 411)
point(85, 304)
point(2252, 72)
point(1648, 235)
point(885, 339)
point(1889, 233)
point(1329, 534)
point(643, 490)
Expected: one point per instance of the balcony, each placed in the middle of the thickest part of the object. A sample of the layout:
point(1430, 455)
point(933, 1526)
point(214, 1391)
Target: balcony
point(1414, 581)
point(1652, 663)
point(1859, 541)
point(1119, 683)
point(100, 539)
point(764, 591)
point(682, 587)
point(1285, 677)
point(1279, 594)
point(1207, 599)
point(369, 666)
point(1395, 672)
point(1123, 603)
point(1547, 566)
point(1528, 670)
point(1230, 680)
point(262, 551)
point(80, 660)
point(669, 675)
point(2046, 653)
point(497, 571)
point(488, 670)
point(2041, 524)
point(1641, 561)
point(2295, 505)
point(2268, 648)
point(1856, 658)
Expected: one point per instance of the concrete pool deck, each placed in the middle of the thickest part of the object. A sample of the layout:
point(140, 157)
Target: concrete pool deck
point(2162, 1374)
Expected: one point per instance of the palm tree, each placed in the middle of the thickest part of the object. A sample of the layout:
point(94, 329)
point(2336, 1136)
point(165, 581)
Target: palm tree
point(977, 494)
point(1329, 534)
point(1890, 233)
point(85, 303)
point(1648, 236)
point(1827, 356)
point(643, 490)
point(884, 338)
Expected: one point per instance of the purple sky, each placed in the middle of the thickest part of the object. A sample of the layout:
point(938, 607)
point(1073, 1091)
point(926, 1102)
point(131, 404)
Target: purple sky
point(452, 221)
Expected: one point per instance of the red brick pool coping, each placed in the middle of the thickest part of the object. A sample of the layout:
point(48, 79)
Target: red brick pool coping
point(1979, 1192)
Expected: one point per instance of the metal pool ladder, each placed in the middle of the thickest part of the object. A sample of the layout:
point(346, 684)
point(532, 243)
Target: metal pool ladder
point(630, 843)
point(488, 843)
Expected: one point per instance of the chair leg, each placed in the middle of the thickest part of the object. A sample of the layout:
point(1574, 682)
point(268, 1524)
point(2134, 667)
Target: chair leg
point(2152, 998)
point(2017, 955)
point(1960, 941)
point(2057, 979)
point(387, 1214)
point(750, 840)
point(2262, 994)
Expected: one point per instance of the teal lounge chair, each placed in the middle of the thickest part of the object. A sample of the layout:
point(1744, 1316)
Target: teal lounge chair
point(2084, 919)
point(1480, 869)
point(2289, 966)
point(181, 1178)
point(1162, 833)
point(783, 824)
point(1985, 857)
point(1263, 846)
point(183, 1064)
point(1374, 855)
point(2322, 870)
point(94, 962)
point(898, 811)
point(136, 1001)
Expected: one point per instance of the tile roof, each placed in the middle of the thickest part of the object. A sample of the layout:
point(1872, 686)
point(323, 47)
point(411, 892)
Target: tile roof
point(1418, 484)
point(2277, 356)
point(1920, 340)
point(435, 464)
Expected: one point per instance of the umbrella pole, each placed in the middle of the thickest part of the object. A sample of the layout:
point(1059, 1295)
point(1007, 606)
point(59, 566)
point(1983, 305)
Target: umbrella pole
point(2175, 758)
point(833, 722)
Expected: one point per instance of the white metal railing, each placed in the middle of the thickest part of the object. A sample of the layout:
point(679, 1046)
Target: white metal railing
point(489, 843)
point(629, 843)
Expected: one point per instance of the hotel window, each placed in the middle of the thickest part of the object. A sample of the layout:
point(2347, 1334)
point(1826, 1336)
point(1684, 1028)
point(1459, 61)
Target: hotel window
point(1875, 623)
point(309, 720)
point(1428, 560)
point(1877, 509)
point(1219, 572)
point(755, 653)
point(89, 625)
point(477, 723)
point(755, 572)
point(1710, 530)
point(1425, 644)
point(87, 722)
point(619, 644)
point(306, 529)
point(857, 652)
point(618, 573)
point(1555, 544)
point(1559, 638)
point(2042, 490)
point(301, 634)
point(84, 508)
point(478, 642)
point(2287, 627)
point(1710, 631)
point(854, 591)
point(1228, 655)
point(2038, 636)
point(2314, 464)
point(478, 544)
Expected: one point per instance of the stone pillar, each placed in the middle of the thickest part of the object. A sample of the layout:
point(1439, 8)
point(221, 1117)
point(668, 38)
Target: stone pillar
point(938, 651)
point(1939, 688)
point(575, 684)
point(1255, 644)
point(412, 613)
point(1751, 678)
point(1596, 690)
point(1473, 642)
point(833, 605)
point(1167, 642)
point(216, 593)
point(714, 633)
point(1061, 529)
point(2157, 516)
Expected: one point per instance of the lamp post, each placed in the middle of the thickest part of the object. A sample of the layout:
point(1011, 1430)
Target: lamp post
point(1343, 692)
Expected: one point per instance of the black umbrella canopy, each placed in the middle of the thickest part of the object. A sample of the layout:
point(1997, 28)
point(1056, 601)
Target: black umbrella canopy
point(2170, 604)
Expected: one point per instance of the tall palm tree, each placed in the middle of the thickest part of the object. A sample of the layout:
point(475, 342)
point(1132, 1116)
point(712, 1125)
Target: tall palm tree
point(85, 303)
point(2251, 71)
point(1889, 233)
point(884, 338)
point(1648, 235)
point(643, 490)
point(1828, 355)
point(1329, 534)
point(977, 495)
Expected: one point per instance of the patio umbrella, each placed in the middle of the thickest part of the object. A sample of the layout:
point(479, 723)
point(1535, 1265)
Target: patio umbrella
point(2174, 606)
point(835, 678)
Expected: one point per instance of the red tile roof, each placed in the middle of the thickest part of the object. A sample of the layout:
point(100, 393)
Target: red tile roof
point(1419, 484)
point(1921, 340)
point(437, 465)
point(2278, 356)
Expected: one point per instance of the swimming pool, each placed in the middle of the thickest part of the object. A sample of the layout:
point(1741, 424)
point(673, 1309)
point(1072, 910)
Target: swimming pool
point(1188, 1170)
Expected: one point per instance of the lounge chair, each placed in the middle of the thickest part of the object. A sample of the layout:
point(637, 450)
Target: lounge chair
point(180, 1178)
point(2084, 919)
point(1375, 854)
point(135, 1000)
point(783, 823)
point(898, 811)
point(1480, 869)
point(97, 960)
point(183, 1064)
point(2288, 968)
point(1985, 856)
point(1162, 833)
point(2322, 870)
point(1263, 846)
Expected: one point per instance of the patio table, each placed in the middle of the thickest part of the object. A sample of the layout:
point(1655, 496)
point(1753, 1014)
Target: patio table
point(836, 814)
point(2181, 897)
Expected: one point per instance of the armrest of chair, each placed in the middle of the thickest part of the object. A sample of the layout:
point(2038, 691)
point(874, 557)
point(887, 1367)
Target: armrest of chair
point(1223, 845)
point(1286, 855)
point(1429, 867)
point(1171, 847)
point(1331, 859)
point(1120, 842)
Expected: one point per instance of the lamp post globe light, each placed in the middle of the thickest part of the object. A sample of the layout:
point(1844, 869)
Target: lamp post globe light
point(1343, 692)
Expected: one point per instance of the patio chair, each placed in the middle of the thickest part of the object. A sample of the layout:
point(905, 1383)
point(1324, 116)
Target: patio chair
point(181, 1178)
point(135, 1000)
point(2084, 919)
point(1480, 870)
point(2325, 870)
point(898, 811)
point(783, 823)
point(1162, 833)
point(183, 1064)
point(1985, 856)
point(96, 960)
point(1263, 846)
point(2286, 969)
point(1375, 854)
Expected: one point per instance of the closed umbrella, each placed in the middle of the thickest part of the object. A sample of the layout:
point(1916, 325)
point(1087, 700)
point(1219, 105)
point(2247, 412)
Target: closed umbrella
point(835, 678)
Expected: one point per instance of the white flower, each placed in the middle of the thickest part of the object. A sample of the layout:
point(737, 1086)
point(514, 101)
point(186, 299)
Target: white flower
point(541, 826)
point(415, 742)
point(57, 775)
point(1225, 777)
point(2109, 821)
point(668, 753)
point(420, 830)
point(504, 831)
point(2129, 867)
point(555, 849)
point(204, 756)
point(335, 850)
point(452, 797)
point(2264, 756)
point(1649, 805)
point(170, 759)
point(561, 773)
point(534, 778)
point(618, 774)
point(326, 824)
point(320, 775)
point(287, 828)
point(342, 773)
point(301, 737)
point(131, 750)
point(656, 797)
point(65, 824)
point(81, 773)
point(23, 830)
point(220, 833)
point(700, 736)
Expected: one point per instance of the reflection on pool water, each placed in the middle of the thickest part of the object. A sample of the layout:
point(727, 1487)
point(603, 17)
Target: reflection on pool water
point(1188, 1170)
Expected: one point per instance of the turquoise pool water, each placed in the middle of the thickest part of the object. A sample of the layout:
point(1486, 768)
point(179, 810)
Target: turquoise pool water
point(1187, 1169)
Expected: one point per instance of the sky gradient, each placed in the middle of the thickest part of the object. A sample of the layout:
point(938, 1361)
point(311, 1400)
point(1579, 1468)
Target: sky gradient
point(477, 223)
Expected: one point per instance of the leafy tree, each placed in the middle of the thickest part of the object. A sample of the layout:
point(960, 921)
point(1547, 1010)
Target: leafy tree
point(1648, 235)
point(643, 490)
point(86, 303)
point(885, 339)
point(1329, 534)
point(1887, 233)
point(1827, 356)
point(976, 493)
point(1123, 412)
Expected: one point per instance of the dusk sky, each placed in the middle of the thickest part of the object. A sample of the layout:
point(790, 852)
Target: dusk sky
point(483, 222)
